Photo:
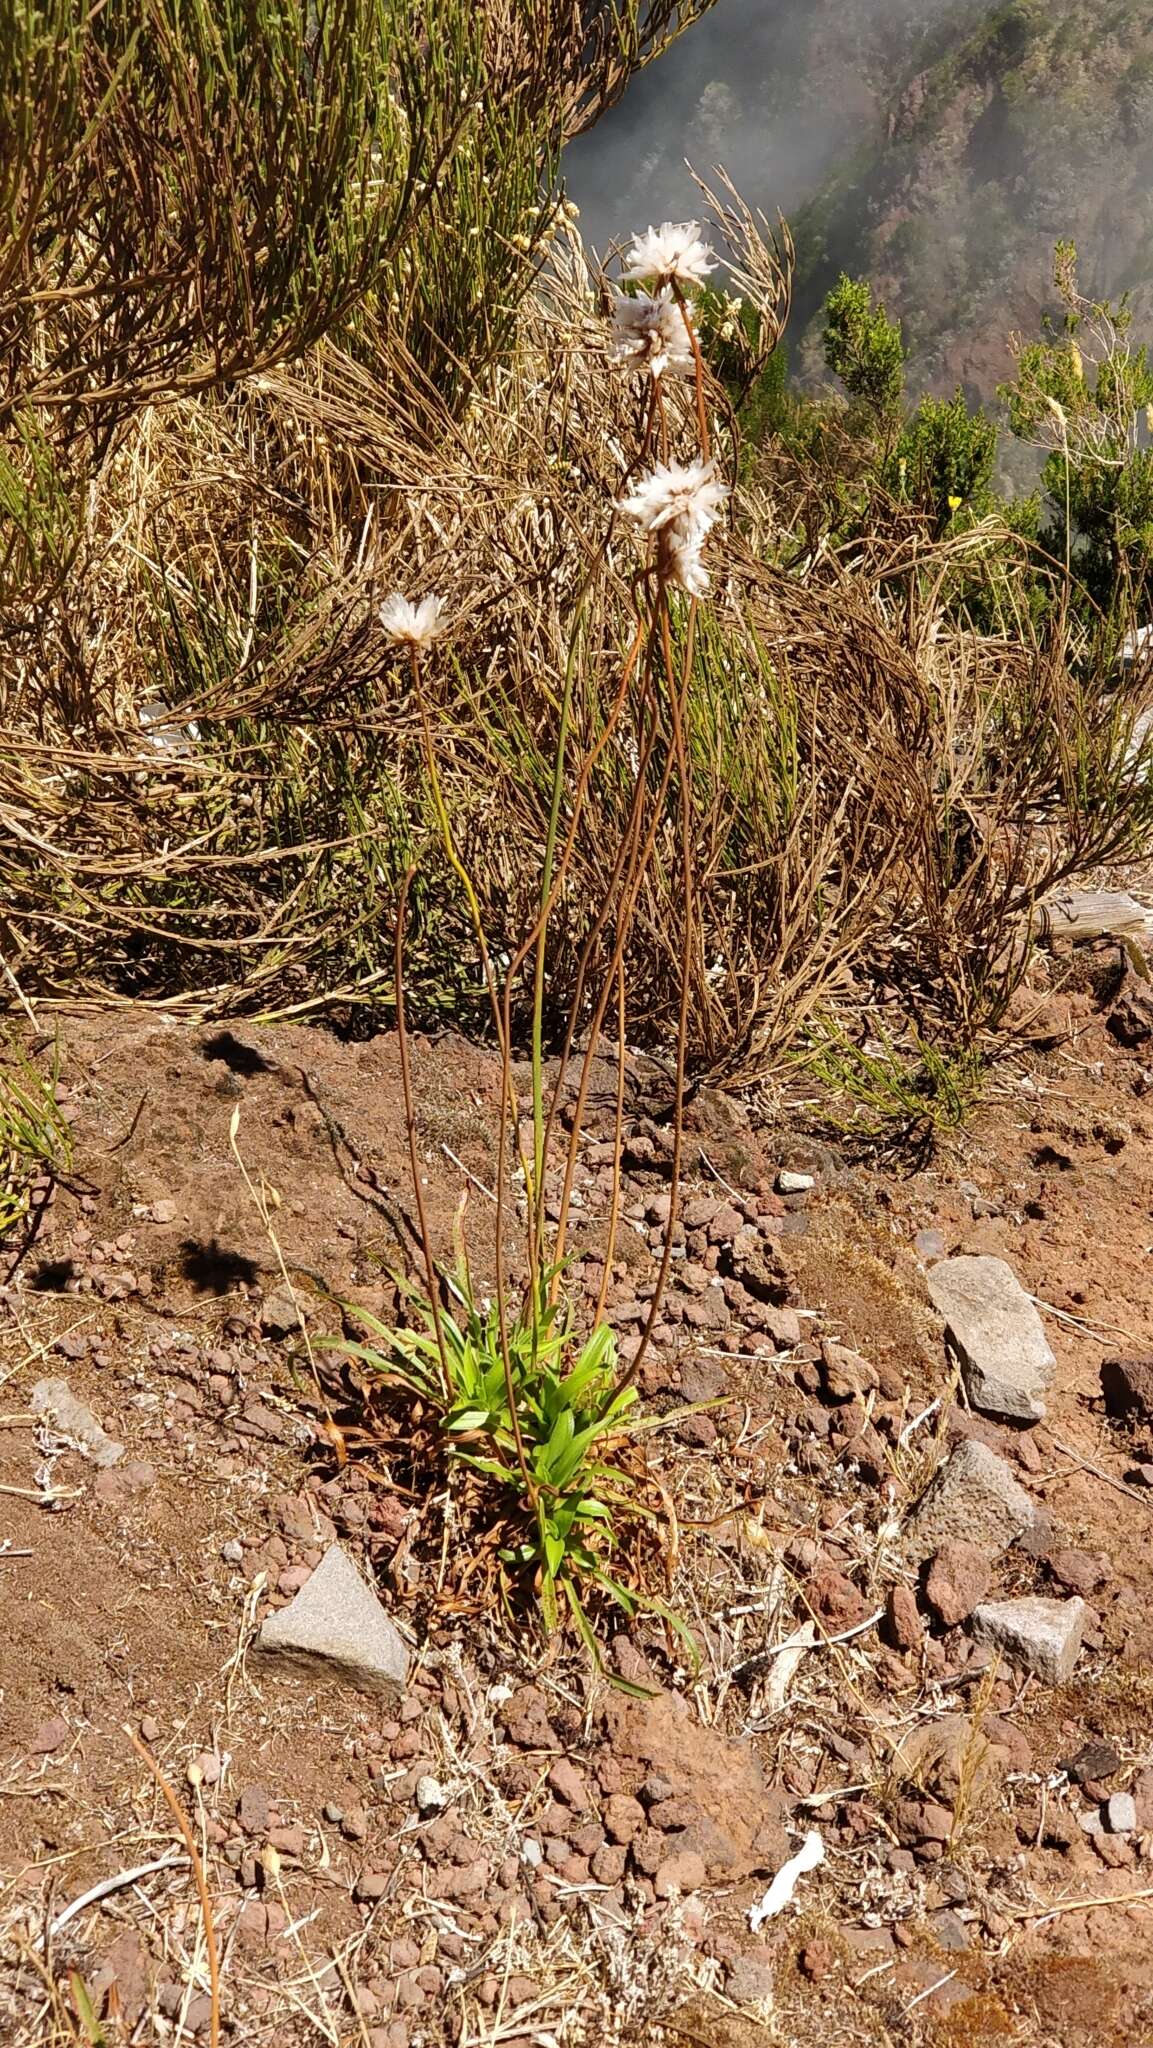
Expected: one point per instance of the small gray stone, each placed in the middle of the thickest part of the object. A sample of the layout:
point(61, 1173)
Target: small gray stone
point(252, 1810)
point(279, 1314)
point(1121, 1814)
point(232, 1552)
point(335, 1620)
point(1043, 1635)
point(997, 1335)
point(795, 1183)
point(431, 1796)
point(71, 1417)
point(748, 1982)
point(947, 1930)
point(974, 1498)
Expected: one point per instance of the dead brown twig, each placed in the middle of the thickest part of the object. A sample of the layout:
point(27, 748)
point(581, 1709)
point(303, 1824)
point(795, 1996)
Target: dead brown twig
point(201, 1882)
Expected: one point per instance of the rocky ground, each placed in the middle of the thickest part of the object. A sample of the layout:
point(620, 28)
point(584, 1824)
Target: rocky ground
point(909, 1451)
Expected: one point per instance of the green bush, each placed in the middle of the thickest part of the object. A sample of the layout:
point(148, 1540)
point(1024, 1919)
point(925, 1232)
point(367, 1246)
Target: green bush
point(863, 347)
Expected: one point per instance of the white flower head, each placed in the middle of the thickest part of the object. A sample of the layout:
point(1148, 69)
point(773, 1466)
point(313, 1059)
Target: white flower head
point(683, 565)
point(412, 625)
point(684, 497)
point(674, 250)
point(678, 503)
point(653, 333)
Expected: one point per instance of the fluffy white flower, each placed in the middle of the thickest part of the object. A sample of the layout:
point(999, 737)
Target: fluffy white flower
point(683, 565)
point(411, 625)
point(653, 332)
point(674, 250)
point(684, 497)
point(679, 504)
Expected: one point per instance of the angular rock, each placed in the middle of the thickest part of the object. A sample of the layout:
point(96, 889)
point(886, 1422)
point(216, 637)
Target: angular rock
point(72, 1418)
point(837, 1602)
point(923, 1820)
point(958, 1579)
point(252, 1810)
point(995, 1330)
point(948, 1931)
point(335, 1621)
point(724, 1224)
point(783, 1325)
point(1127, 1384)
point(279, 1314)
point(749, 1982)
point(1093, 1760)
point(905, 1624)
point(125, 1965)
point(938, 1760)
point(1121, 1814)
point(974, 1498)
point(682, 1873)
point(794, 1183)
point(741, 1829)
point(1079, 1571)
point(1131, 1018)
point(845, 1373)
point(120, 1481)
point(1042, 1635)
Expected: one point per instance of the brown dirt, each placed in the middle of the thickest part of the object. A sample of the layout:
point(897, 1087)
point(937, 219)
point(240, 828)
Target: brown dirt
point(133, 1600)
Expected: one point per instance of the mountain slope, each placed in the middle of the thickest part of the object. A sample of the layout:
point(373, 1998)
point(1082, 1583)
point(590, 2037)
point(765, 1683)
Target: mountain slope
point(1037, 124)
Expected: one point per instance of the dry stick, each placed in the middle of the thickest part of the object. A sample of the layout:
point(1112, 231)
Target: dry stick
point(618, 1141)
point(536, 940)
point(636, 872)
point(106, 1887)
point(201, 1882)
point(410, 1120)
point(620, 867)
point(1098, 1471)
point(620, 877)
point(45, 1495)
point(698, 360)
point(677, 706)
point(1080, 1905)
point(508, 1105)
point(536, 936)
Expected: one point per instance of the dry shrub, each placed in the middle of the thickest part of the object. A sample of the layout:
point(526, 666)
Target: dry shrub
point(210, 772)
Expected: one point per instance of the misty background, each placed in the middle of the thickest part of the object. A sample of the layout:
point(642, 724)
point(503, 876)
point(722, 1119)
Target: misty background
point(939, 148)
point(781, 92)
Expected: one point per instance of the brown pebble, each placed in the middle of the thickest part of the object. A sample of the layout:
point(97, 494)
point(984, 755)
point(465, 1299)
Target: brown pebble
point(905, 1625)
point(252, 1809)
point(679, 1874)
point(290, 1841)
point(816, 1960)
point(623, 1817)
point(568, 1784)
point(608, 1865)
point(50, 1736)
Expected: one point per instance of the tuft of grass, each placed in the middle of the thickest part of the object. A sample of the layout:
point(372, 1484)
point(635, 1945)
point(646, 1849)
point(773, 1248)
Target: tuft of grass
point(35, 1140)
point(546, 1431)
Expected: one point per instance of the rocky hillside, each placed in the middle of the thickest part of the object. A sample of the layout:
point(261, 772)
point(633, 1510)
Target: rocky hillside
point(939, 150)
point(1036, 124)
